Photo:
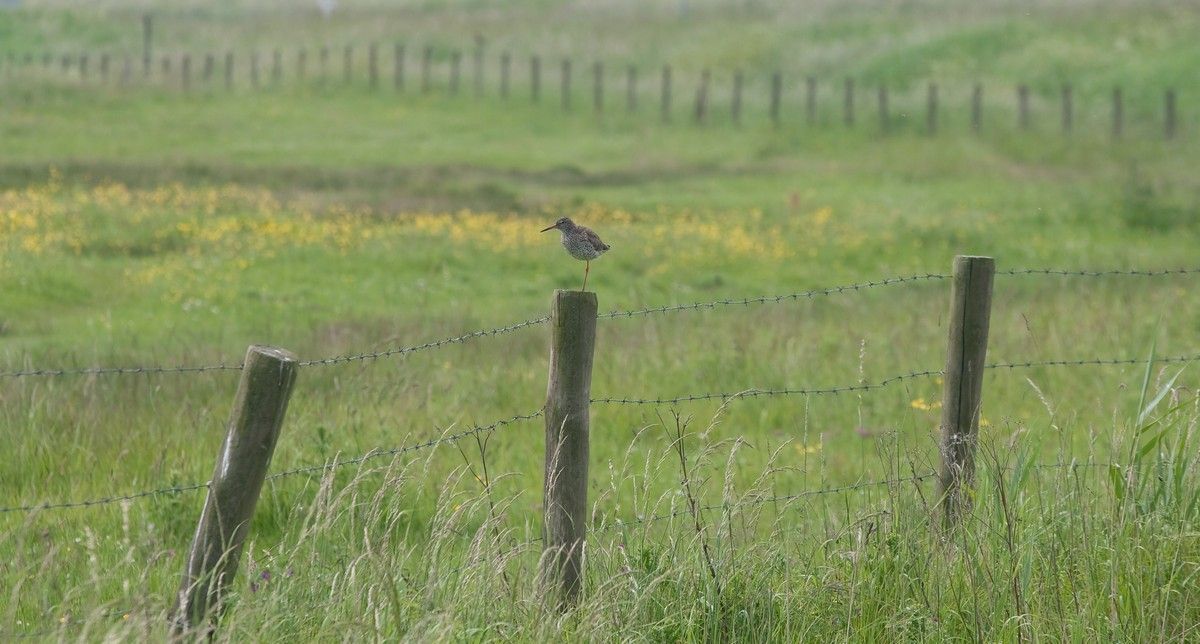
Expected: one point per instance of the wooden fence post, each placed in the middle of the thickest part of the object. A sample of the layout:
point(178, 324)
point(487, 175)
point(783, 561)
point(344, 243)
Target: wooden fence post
point(229, 70)
point(83, 67)
point(702, 97)
point(1067, 109)
point(373, 65)
point(565, 79)
point(104, 62)
point(185, 73)
point(210, 64)
point(1169, 115)
point(276, 67)
point(477, 71)
point(1118, 113)
point(564, 501)
point(166, 67)
point(455, 71)
point(776, 95)
point(977, 108)
point(665, 103)
point(883, 109)
point(426, 64)
point(962, 390)
point(258, 411)
point(810, 100)
point(735, 108)
point(347, 63)
point(631, 89)
point(398, 67)
point(1023, 106)
point(535, 78)
point(505, 73)
point(848, 103)
point(931, 110)
point(254, 69)
point(598, 87)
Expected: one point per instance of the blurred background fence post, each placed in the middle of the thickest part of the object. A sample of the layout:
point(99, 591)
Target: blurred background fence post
point(301, 64)
point(572, 347)
point(962, 387)
point(665, 102)
point(455, 71)
point(1023, 106)
point(185, 73)
point(276, 67)
point(147, 35)
point(323, 63)
point(631, 89)
point(1067, 109)
point(398, 67)
point(254, 70)
point(810, 100)
point(701, 111)
point(977, 108)
point(883, 109)
point(776, 92)
point(931, 110)
point(535, 79)
point(229, 70)
point(505, 73)
point(104, 62)
point(210, 65)
point(373, 66)
point(848, 103)
point(426, 72)
point(1118, 113)
point(262, 397)
point(1169, 115)
point(598, 86)
point(347, 63)
point(477, 71)
point(735, 107)
point(565, 87)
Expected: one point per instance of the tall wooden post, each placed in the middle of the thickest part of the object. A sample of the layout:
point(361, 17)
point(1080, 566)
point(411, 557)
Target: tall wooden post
point(564, 501)
point(735, 108)
point(258, 411)
point(977, 108)
point(962, 390)
point(665, 102)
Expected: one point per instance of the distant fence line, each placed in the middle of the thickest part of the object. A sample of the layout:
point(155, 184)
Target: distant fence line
point(187, 72)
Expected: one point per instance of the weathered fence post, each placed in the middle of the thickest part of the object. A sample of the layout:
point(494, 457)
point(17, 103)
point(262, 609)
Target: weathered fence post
point(848, 103)
point(735, 108)
point(1023, 107)
point(455, 71)
point(373, 65)
point(931, 110)
point(426, 63)
point(505, 73)
point(1118, 113)
point(565, 78)
point(1067, 109)
point(665, 103)
point(776, 92)
point(883, 109)
point(147, 33)
point(535, 79)
point(631, 89)
point(258, 411)
point(702, 97)
point(598, 86)
point(564, 531)
point(810, 100)
point(1169, 115)
point(398, 67)
point(962, 390)
point(977, 108)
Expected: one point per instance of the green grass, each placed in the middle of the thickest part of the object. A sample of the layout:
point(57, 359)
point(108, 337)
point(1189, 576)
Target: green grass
point(142, 226)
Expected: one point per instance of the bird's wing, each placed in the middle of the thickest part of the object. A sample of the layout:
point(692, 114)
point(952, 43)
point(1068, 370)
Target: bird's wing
point(594, 239)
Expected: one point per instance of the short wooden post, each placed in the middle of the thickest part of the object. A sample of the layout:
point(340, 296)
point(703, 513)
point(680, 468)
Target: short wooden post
point(565, 79)
point(1169, 114)
point(505, 73)
point(258, 411)
point(776, 96)
point(301, 64)
point(1067, 109)
point(962, 390)
point(848, 103)
point(1023, 106)
point(535, 78)
point(564, 500)
point(426, 64)
point(664, 107)
point(228, 70)
point(598, 87)
point(455, 71)
point(347, 63)
point(631, 89)
point(810, 100)
point(373, 65)
point(735, 108)
point(276, 67)
point(185, 73)
point(702, 97)
point(254, 69)
point(1118, 113)
point(398, 67)
point(147, 35)
point(977, 109)
point(931, 110)
point(884, 121)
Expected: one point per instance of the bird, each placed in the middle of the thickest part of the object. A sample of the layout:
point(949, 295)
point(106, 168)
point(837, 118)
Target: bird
point(581, 242)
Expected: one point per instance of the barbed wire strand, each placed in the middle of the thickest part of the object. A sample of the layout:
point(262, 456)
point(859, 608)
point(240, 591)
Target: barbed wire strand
point(1098, 273)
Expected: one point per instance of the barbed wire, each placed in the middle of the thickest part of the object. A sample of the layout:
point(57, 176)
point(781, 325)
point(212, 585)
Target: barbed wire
point(771, 299)
point(1098, 273)
point(105, 371)
point(178, 489)
point(867, 386)
point(423, 347)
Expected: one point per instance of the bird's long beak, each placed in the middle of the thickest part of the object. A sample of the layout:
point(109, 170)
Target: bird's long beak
point(549, 228)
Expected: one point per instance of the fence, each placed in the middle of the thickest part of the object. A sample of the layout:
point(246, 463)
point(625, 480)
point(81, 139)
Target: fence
point(925, 110)
point(267, 375)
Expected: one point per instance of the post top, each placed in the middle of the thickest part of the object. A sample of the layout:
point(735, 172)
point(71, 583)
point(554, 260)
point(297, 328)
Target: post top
point(563, 294)
point(974, 258)
point(274, 353)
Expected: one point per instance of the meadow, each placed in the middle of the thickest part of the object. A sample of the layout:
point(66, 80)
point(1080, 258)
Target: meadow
point(145, 226)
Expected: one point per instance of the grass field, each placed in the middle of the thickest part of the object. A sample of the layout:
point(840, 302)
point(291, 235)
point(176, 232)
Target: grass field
point(143, 226)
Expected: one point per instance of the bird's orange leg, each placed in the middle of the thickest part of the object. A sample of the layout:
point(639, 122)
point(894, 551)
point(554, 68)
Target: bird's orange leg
point(587, 266)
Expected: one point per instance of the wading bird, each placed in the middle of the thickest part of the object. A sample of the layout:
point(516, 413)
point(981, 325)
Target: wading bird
point(580, 242)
